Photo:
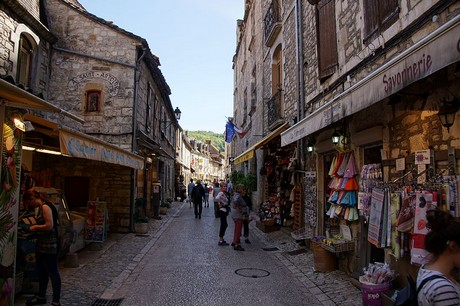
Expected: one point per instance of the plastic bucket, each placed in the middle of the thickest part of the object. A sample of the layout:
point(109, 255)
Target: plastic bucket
point(324, 261)
point(372, 293)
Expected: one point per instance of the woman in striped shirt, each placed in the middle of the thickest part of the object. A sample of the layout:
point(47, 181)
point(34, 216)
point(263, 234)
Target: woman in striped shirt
point(443, 242)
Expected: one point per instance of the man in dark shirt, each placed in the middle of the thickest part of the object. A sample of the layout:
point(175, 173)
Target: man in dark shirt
point(197, 197)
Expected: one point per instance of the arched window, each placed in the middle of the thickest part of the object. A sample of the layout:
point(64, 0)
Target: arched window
point(93, 101)
point(24, 61)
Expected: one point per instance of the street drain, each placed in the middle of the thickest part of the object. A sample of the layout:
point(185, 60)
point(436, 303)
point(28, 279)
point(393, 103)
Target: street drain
point(106, 302)
point(142, 235)
point(252, 272)
point(270, 249)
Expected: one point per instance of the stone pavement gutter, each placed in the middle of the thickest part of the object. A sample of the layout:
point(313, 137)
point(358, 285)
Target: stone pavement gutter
point(104, 267)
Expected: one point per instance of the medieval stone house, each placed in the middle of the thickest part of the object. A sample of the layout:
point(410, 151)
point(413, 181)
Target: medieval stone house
point(376, 74)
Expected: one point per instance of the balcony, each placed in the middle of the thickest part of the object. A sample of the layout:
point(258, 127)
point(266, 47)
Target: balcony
point(274, 114)
point(272, 23)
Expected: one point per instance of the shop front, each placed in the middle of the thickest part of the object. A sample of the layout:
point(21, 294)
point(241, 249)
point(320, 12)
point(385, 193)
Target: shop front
point(392, 154)
point(279, 196)
point(65, 164)
point(14, 102)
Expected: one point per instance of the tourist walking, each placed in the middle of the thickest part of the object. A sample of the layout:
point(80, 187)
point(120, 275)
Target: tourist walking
point(189, 192)
point(215, 192)
point(222, 202)
point(206, 195)
point(197, 197)
point(238, 207)
point(246, 214)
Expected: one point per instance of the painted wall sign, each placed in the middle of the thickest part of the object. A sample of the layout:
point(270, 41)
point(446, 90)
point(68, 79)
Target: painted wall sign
point(114, 84)
point(76, 146)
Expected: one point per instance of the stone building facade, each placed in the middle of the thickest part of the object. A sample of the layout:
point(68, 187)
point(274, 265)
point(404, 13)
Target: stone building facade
point(133, 110)
point(378, 74)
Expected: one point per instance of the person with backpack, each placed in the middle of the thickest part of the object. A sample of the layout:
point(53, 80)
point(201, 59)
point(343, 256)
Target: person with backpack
point(47, 246)
point(436, 281)
point(197, 197)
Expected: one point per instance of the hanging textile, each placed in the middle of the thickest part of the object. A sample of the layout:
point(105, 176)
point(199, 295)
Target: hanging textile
point(343, 196)
point(374, 235)
point(395, 235)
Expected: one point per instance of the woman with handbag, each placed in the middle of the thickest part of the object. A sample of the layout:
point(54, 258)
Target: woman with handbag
point(47, 247)
point(222, 200)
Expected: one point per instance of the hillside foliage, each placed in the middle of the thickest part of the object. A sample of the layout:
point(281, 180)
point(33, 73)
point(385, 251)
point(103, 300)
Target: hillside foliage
point(217, 140)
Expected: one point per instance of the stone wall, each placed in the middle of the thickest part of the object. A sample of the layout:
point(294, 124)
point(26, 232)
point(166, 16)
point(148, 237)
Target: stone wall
point(88, 63)
point(107, 181)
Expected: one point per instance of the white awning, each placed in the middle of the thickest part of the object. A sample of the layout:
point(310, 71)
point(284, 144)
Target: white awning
point(434, 52)
point(80, 145)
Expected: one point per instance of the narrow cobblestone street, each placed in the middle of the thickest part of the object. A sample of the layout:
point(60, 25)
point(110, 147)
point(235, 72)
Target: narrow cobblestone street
point(179, 263)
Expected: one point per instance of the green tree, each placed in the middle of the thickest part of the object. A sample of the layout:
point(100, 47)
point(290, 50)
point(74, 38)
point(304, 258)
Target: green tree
point(249, 180)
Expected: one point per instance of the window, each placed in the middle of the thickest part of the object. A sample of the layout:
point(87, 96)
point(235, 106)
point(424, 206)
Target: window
point(93, 101)
point(24, 61)
point(327, 39)
point(277, 71)
point(148, 111)
point(378, 16)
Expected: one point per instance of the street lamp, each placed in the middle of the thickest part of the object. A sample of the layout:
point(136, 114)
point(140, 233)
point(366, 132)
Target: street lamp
point(177, 114)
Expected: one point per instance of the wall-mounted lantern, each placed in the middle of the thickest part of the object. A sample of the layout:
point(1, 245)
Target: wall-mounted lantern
point(447, 112)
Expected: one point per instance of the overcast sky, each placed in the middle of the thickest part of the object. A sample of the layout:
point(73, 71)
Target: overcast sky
point(195, 41)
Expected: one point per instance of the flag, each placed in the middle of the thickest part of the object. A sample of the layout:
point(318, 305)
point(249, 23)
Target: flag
point(239, 131)
point(229, 131)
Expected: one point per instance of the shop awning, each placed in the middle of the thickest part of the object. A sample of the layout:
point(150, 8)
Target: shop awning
point(77, 144)
point(432, 53)
point(13, 96)
point(249, 153)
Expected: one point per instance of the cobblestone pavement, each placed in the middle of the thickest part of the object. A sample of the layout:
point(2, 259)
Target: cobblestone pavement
point(105, 267)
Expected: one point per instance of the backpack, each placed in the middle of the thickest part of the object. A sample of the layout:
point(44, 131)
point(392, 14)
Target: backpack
point(408, 296)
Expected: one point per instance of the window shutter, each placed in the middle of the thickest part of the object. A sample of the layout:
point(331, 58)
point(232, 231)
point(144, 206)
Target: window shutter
point(327, 38)
point(388, 12)
point(371, 18)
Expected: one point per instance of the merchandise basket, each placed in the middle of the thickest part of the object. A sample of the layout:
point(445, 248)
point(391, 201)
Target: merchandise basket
point(268, 222)
point(339, 246)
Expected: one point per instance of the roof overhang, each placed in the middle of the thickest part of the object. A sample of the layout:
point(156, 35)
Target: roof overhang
point(13, 96)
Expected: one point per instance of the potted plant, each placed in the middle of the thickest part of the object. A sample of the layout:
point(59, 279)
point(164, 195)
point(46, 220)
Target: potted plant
point(141, 221)
point(164, 206)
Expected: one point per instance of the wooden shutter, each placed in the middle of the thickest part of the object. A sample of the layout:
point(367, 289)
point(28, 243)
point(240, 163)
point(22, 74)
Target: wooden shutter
point(388, 13)
point(327, 38)
point(378, 16)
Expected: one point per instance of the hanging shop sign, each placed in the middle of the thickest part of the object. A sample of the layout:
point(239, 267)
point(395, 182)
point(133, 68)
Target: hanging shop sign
point(83, 146)
point(434, 52)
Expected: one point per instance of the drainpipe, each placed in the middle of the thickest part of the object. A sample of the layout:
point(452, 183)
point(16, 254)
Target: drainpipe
point(137, 75)
point(299, 73)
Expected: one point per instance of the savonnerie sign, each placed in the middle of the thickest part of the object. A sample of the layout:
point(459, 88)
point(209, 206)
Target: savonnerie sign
point(434, 52)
